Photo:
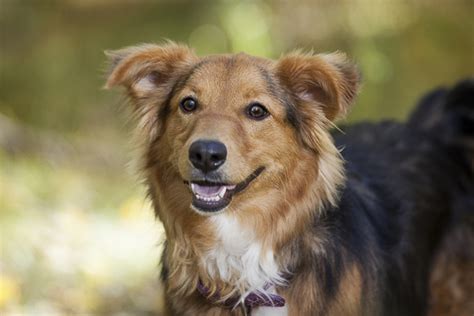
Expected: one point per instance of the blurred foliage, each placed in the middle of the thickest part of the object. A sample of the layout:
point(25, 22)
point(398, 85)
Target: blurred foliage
point(77, 236)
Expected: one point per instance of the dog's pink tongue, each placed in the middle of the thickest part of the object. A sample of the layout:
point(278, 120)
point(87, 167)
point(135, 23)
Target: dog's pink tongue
point(204, 190)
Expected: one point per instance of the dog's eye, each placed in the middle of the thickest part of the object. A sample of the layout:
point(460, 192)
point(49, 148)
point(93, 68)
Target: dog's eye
point(257, 111)
point(188, 104)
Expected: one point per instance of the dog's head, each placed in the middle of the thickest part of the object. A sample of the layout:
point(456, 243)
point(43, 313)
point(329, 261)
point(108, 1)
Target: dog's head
point(224, 131)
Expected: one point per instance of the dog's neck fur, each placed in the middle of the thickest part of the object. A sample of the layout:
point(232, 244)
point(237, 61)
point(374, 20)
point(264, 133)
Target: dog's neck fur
point(236, 255)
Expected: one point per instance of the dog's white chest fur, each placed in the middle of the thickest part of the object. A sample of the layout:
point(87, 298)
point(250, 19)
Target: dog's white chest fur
point(239, 258)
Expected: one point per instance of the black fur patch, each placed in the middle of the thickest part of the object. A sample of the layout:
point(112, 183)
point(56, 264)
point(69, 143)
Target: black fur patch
point(276, 91)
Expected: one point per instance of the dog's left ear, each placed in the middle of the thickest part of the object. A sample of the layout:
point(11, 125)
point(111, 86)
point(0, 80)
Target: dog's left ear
point(326, 83)
point(148, 70)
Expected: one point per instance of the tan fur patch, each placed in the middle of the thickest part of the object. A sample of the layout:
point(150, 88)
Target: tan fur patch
point(348, 301)
point(452, 277)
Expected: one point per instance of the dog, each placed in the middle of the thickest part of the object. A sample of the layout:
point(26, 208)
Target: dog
point(268, 210)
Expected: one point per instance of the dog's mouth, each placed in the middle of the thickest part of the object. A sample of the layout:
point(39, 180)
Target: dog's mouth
point(212, 197)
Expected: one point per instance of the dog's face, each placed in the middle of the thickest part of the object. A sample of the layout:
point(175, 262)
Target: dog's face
point(228, 128)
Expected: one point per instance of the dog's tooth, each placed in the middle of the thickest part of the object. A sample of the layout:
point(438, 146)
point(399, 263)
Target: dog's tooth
point(222, 192)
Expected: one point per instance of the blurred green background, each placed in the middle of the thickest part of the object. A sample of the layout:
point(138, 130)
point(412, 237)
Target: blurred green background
point(77, 235)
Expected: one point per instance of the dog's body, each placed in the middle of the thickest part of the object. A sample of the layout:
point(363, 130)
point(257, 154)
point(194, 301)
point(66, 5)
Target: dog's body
point(259, 206)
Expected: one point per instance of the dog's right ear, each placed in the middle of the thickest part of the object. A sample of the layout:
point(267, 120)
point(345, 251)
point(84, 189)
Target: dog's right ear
point(148, 70)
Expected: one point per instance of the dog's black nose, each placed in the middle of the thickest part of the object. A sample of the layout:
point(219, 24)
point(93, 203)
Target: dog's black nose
point(207, 155)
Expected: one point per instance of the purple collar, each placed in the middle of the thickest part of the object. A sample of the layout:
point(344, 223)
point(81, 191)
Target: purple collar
point(254, 299)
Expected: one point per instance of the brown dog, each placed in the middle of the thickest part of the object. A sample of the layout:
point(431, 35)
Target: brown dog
point(251, 188)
